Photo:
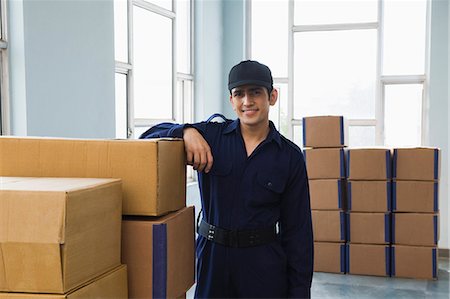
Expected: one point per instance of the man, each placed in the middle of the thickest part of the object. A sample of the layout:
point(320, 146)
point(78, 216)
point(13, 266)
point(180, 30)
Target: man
point(251, 179)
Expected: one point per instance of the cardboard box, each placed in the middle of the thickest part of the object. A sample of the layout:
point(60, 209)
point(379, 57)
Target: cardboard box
point(368, 259)
point(414, 262)
point(329, 257)
point(369, 228)
point(153, 172)
point(415, 196)
point(417, 164)
point(328, 226)
point(369, 164)
point(327, 194)
point(415, 229)
point(369, 196)
point(160, 254)
point(325, 163)
point(324, 131)
point(58, 233)
point(111, 285)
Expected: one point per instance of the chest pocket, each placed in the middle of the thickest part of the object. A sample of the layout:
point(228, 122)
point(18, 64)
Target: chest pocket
point(268, 189)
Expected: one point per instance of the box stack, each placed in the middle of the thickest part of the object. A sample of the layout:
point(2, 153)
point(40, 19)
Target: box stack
point(415, 221)
point(324, 137)
point(61, 236)
point(369, 211)
point(158, 230)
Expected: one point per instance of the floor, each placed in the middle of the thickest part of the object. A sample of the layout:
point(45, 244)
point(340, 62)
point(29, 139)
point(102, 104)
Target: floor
point(327, 285)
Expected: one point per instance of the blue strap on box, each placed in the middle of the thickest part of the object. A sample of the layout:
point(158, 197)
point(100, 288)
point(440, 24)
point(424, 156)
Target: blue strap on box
point(394, 164)
point(394, 196)
point(343, 172)
point(159, 261)
point(387, 255)
point(389, 195)
point(342, 130)
point(435, 224)
point(349, 196)
point(343, 270)
point(348, 164)
point(434, 262)
point(348, 227)
point(393, 228)
point(343, 227)
point(436, 200)
point(387, 228)
point(436, 164)
point(388, 165)
point(347, 258)
point(392, 261)
point(304, 131)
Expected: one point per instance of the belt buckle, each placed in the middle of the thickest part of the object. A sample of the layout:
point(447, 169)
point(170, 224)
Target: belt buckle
point(211, 232)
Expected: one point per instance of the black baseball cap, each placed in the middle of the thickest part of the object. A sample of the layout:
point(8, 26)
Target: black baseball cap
point(250, 72)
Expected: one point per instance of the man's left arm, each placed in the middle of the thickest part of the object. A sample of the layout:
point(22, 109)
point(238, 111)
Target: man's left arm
point(296, 231)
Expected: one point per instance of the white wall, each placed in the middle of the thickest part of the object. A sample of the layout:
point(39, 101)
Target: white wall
point(438, 105)
point(62, 68)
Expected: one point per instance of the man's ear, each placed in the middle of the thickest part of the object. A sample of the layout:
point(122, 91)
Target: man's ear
point(232, 103)
point(273, 97)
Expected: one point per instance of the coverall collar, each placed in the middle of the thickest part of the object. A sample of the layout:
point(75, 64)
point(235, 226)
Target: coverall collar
point(273, 135)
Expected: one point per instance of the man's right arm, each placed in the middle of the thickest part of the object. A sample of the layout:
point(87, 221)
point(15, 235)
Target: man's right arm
point(198, 151)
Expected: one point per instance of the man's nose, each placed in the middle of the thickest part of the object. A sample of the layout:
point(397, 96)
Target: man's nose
point(246, 100)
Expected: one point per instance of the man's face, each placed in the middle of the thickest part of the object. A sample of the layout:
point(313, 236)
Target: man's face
point(251, 104)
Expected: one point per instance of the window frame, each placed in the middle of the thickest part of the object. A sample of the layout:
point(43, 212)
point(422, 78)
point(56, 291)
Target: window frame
point(381, 80)
point(182, 108)
point(5, 128)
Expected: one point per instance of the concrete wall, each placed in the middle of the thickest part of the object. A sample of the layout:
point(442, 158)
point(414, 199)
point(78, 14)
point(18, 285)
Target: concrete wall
point(438, 105)
point(62, 68)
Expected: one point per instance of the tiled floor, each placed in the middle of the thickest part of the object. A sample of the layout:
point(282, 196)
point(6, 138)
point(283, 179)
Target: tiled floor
point(327, 285)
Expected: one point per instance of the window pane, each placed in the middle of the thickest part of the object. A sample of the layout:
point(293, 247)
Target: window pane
point(183, 36)
point(121, 30)
point(334, 73)
point(403, 115)
point(188, 99)
point(361, 136)
point(278, 112)
point(298, 136)
point(167, 4)
point(121, 106)
point(404, 37)
point(152, 65)
point(312, 12)
point(270, 34)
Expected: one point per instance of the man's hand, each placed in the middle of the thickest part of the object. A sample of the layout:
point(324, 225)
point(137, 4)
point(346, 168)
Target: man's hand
point(198, 152)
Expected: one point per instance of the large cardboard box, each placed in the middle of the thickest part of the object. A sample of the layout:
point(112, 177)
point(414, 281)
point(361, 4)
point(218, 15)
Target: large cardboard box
point(325, 163)
point(324, 131)
point(153, 171)
point(369, 196)
point(417, 164)
point(369, 228)
point(414, 262)
point(328, 226)
point(369, 259)
point(160, 254)
point(327, 194)
point(369, 164)
point(112, 285)
point(415, 196)
point(417, 229)
point(58, 233)
point(329, 257)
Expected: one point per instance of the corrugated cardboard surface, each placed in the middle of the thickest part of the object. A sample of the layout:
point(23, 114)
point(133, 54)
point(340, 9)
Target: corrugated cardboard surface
point(415, 196)
point(160, 254)
point(329, 257)
point(415, 229)
point(369, 164)
point(325, 163)
point(367, 259)
point(112, 285)
point(369, 196)
point(369, 228)
point(58, 233)
point(327, 194)
point(153, 171)
point(324, 131)
point(414, 262)
point(328, 226)
point(420, 164)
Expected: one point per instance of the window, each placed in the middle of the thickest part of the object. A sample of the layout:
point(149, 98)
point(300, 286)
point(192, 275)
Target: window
point(154, 73)
point(4, 96)
point(365, 60)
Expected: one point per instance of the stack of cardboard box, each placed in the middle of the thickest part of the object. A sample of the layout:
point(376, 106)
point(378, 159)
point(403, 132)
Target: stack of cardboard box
point(61, 236)
point(369, 206)
point(325, 140)
point(158, 230)
point(415, 221)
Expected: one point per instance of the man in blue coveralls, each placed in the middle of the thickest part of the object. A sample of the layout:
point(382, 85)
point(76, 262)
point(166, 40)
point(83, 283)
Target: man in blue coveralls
point(255, 238)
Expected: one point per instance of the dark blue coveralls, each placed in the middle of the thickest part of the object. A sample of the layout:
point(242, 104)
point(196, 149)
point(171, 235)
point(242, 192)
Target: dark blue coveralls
point(241, 192)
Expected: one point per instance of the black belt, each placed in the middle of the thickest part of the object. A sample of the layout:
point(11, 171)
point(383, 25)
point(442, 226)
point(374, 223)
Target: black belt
point(237, 238)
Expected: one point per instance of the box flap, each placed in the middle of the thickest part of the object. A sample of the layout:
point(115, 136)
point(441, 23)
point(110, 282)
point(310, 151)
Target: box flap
point(32, 267)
